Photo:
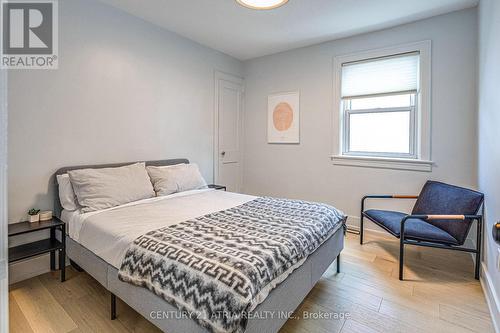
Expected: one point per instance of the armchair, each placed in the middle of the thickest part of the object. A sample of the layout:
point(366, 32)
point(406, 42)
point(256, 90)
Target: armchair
point(441, 218)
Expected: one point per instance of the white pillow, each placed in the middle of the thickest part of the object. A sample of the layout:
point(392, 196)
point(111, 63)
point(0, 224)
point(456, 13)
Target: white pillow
point(66, 194)
point(176, 178)
point(98, 189)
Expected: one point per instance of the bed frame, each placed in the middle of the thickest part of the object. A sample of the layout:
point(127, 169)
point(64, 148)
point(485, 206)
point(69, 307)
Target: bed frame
point(285, 298)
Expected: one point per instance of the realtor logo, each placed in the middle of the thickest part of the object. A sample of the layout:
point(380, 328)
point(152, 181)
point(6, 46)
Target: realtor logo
point(29, 34)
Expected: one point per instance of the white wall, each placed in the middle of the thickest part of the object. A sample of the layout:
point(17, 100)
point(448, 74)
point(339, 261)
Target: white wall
point(489, 149)
point(125, 90)
point(305, 170)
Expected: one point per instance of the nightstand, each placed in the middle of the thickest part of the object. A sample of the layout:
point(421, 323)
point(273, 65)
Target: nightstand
point(217, 187)
point(33, 249)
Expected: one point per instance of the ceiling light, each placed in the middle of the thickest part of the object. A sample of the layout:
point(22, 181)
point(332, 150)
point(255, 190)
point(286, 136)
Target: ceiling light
point(262, 4)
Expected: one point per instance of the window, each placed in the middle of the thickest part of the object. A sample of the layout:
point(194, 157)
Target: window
point(379, 104)
point(383, 101)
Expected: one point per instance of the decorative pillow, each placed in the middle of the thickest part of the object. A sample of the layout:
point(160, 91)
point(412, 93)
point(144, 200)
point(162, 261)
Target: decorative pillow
point(176, 178)
point(98, 189)
point(66, 194)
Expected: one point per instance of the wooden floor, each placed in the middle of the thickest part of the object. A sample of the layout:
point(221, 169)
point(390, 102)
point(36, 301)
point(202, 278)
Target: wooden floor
point(439, 295)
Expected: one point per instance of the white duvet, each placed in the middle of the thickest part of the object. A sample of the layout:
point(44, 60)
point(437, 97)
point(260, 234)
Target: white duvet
point(109, 232)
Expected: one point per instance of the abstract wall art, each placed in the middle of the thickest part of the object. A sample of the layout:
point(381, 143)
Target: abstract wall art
point(283, 122)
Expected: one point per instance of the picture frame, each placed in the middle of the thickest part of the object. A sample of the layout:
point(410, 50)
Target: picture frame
point(283, 118)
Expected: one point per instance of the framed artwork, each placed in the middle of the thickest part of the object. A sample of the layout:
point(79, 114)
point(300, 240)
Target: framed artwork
point(283, 118)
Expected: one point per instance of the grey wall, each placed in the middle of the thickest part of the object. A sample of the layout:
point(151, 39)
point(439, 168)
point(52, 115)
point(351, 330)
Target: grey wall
point(305, 170)
point(489, 149)
point(125, 90)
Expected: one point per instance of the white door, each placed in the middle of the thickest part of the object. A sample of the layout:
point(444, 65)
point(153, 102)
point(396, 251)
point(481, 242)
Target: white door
point(4, 300)
point(228, 116)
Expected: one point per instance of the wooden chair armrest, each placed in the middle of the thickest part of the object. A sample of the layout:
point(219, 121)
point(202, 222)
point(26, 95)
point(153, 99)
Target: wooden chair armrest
point(443, 217)
point(454, 217)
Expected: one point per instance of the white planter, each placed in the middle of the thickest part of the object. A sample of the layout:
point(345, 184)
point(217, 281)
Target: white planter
point(34, 218)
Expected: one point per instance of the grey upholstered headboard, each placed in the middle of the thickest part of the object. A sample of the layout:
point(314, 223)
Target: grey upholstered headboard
point(57, 202)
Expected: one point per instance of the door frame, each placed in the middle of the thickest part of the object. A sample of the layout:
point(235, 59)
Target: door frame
point(218, 76)
point(4, 288)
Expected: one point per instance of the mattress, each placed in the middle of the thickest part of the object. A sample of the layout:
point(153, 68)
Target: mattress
point(284, 299)
point(109, 232)
point(219, 267)
point(194, 240)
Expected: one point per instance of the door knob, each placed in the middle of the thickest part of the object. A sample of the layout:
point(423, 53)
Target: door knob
point(223, 153)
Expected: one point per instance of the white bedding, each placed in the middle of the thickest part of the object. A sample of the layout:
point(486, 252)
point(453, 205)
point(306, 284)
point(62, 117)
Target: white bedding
point(109, 232)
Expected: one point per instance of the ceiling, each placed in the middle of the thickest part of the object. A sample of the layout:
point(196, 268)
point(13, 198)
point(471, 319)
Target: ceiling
point(245, 33)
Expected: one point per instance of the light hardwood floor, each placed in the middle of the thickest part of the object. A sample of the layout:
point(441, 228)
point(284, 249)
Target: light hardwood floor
point(439, 295)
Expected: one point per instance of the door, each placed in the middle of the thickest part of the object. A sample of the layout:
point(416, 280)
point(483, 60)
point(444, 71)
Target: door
point(4, 300)
point(228, 131)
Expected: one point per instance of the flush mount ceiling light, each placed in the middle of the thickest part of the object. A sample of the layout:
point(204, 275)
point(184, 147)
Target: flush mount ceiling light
point(262, 4)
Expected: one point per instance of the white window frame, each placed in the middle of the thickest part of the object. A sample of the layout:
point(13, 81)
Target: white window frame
point(419, 158)
point(348, 111)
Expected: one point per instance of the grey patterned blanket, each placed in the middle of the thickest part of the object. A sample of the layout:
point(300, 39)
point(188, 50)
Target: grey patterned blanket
point(220, 266)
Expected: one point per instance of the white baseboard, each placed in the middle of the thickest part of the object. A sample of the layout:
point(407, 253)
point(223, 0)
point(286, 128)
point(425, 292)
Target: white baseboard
point(27, 269)
point(353, 223)
point(491, 295)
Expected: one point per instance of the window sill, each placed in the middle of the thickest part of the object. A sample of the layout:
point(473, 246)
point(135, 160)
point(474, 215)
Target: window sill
point(383, 163)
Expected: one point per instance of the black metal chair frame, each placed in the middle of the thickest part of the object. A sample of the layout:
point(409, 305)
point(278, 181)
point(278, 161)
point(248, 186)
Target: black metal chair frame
point(403, 241)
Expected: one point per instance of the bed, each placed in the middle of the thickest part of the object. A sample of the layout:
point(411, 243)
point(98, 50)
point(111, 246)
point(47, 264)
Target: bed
point(101, 243)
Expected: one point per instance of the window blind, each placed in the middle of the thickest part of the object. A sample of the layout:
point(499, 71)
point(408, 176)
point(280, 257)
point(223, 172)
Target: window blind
point(381, 76)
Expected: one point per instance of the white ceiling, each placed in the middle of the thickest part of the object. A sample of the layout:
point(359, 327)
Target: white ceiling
point(244, 33)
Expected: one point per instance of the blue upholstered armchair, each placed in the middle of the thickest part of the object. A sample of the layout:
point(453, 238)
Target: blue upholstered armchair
point(441, 218)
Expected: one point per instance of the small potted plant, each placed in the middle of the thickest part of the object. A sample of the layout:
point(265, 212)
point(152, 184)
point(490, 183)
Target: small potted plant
point(34, 215)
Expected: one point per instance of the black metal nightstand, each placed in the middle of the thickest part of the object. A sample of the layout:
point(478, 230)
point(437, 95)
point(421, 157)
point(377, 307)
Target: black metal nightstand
point(33, 249)
point(217, 187)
